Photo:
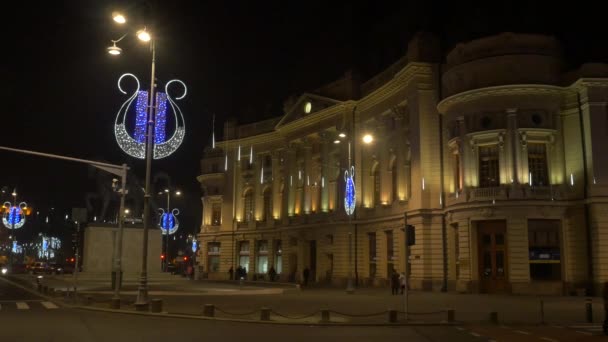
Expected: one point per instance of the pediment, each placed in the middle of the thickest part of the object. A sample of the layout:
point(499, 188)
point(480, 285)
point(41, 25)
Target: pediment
point(307, 104)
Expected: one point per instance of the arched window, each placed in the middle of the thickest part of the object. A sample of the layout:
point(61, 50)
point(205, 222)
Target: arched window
point(376, 173)
point(248, 206)
point(267, 204)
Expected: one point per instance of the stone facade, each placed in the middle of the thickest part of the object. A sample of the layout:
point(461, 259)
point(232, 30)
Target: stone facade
point(493, 158)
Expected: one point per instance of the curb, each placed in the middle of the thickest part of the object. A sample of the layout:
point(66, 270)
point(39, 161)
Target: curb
point(186, 316)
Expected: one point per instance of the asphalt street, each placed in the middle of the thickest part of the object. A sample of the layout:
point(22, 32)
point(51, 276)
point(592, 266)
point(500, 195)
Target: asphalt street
point(27, 317)
point(24, 316)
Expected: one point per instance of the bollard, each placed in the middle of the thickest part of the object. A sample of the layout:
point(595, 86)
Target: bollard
point(494, 317)
point(115, 303)
point(589, 310)
point(451, 315)
point(265, 314)
point(392, 316)
point(209, 310)
point(156, 305)
point(542, 312)
point(325, 316)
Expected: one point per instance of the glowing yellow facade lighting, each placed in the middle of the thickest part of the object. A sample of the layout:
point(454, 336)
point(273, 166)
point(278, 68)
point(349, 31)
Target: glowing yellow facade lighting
point(368, 139)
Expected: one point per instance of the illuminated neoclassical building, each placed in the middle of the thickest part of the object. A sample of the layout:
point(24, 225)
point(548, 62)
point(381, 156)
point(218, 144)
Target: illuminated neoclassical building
point(491, 155)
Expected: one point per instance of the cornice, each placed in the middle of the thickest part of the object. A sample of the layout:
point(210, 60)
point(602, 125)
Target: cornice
point(315, 118)
point(398, 82)
point(506, 90)
point(589, 82)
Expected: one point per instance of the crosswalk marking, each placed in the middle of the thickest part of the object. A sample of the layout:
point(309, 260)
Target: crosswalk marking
point(49, 305)
point(22, 306)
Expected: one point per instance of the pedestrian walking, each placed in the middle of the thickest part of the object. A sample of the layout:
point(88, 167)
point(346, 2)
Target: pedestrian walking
point(394, 283)
point(306, 274)
point(272, 273)
point(402, 281)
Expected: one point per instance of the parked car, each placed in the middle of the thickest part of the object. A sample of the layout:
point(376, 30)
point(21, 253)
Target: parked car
point(39, 268)
point(171, 268)
point(58, 269)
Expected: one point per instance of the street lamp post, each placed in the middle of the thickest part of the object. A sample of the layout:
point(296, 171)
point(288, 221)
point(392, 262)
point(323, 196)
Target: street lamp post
point(142, 293)
point(167, 229)
point(144, 146)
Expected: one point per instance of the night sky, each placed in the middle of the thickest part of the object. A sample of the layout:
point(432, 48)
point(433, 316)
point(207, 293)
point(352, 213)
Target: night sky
point(239, 59)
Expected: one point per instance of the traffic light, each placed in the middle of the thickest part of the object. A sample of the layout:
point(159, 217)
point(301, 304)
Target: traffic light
point(162, 257)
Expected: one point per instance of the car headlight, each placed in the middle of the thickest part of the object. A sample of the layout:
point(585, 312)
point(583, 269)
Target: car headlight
point(4, 270)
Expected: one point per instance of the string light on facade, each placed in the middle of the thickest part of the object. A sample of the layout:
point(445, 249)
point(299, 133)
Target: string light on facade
point(134, 145)
point(571, 180)
point(226, 163)
point(238, 155)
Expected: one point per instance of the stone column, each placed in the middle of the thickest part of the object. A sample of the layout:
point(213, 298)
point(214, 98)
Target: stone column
point(276, 186)
point(325, 165)
point(307, 175)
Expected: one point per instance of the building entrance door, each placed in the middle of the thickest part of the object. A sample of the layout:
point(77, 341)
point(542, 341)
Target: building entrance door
point(492, 256)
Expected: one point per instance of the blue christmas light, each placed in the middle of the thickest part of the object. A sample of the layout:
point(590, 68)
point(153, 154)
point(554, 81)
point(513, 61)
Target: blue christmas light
point(160, 125)
point(141, 113)
point(350, 195)
point(133, 143)
point(168, 221)
point(14, 216)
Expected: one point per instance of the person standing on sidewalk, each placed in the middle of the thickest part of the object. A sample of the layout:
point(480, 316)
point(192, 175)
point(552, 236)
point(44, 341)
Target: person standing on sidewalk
point(306, 274)
point(394, 283)
point(402, 282)
point(231, 273)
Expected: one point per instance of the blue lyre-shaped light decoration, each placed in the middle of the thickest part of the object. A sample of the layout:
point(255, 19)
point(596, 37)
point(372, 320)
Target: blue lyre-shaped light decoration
point(194, 246)
point(134, 143)
point(14, 216)
point(168, 222)
point(350, 195)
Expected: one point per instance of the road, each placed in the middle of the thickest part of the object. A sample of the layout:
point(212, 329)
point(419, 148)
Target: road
point(27, 317)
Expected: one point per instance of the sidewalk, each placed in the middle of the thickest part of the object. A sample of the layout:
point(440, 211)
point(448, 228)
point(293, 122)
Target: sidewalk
point(183, 296)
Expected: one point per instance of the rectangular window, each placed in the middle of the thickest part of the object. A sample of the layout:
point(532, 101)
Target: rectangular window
point(244, 255)
point(537, 164)
point(544, 249)
point(248, 208)
point(216, 214)
point(372, 254)
point(213, 256)
point(390, 248)
point(488, 166)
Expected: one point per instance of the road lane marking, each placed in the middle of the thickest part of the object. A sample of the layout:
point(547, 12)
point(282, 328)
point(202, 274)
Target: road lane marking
point(22, 306)
point(521, 332)
point(475, 334)
point(549, 339)
point(49, 305)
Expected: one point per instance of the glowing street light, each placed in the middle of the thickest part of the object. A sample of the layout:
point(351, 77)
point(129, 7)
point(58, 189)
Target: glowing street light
point(368, 139)
point(114, 50)
point(119, 18)
point(144, 35)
